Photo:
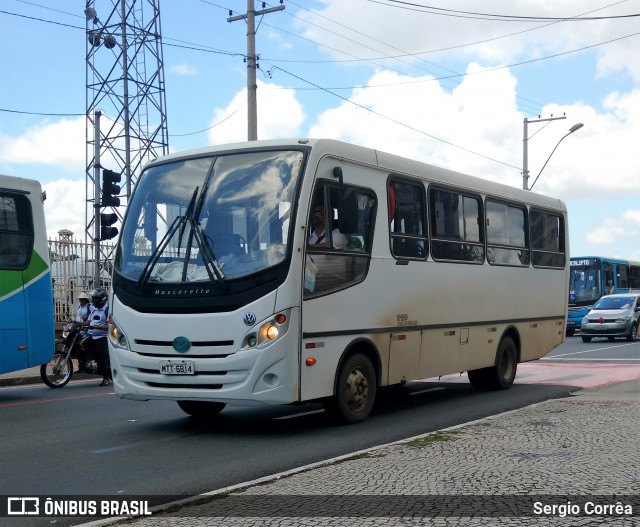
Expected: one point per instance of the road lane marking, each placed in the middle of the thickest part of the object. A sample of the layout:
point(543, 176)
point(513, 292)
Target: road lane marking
point(589, 350)
point(301, 414)
point(426, 390)
point(23, 403)
point(591, 360)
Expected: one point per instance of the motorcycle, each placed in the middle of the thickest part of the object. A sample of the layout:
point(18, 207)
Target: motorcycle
point(59, 370)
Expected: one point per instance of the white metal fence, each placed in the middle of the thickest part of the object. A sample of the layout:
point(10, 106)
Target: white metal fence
point(73, 271)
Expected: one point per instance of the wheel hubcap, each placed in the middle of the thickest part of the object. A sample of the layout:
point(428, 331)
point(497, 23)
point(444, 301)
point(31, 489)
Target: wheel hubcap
point(357, 391)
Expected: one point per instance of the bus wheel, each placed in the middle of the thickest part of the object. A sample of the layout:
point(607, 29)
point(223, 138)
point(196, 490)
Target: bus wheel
point(502, 374)
point(201, 409)
point(57, 372)
point(355, 391)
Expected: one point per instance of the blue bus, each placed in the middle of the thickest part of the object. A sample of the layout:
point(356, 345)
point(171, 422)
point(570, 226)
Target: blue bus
point(27, 331)
point(594, 276)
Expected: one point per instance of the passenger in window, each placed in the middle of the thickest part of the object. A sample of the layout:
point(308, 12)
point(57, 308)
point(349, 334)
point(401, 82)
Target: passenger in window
point(317, 237)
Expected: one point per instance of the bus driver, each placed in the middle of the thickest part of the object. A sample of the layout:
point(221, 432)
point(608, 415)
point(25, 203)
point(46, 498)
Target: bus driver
point(317, 234)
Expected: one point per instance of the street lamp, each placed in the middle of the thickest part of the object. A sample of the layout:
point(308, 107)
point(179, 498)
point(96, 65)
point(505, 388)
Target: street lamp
point(575, 127)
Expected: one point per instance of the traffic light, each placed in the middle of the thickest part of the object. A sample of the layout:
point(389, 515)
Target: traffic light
point(110, 189)
point(106, 231)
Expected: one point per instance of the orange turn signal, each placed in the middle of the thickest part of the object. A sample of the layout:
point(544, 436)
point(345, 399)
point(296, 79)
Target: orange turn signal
point(310, 361)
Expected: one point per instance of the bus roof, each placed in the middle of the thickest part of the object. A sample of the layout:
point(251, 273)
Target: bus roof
point(393, 163)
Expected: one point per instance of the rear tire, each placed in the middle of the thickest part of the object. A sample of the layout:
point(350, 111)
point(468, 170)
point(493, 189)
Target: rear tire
point(201, 409)
point(57, 372)
point(502, 374)
point(356, 390)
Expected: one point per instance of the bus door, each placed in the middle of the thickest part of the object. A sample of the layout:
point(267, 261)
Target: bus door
point(15, 245)
point(607, 272)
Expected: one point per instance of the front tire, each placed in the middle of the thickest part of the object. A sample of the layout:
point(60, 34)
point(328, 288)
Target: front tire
point(57, 372)
point(586, 339)
point(201, 409)
point(501, 375)
point(356, 390)
point(633, 333)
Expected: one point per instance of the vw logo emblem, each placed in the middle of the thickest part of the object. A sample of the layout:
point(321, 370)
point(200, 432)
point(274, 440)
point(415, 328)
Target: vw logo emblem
point(181, 344)
point(249, 319)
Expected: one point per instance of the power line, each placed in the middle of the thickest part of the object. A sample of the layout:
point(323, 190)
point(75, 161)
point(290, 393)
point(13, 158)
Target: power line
point(49, 8)
point(41, 20)
point(492, 17)
point(515, 64)
point(396, 121)
point(42, 113)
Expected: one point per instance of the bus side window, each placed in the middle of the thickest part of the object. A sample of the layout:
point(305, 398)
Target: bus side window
point(623, 276)
point(331, 266)
point(547, 239)
point(457, 232)
point(407, 224)
point(634, 276)
point(16, 232)
point(506, 234)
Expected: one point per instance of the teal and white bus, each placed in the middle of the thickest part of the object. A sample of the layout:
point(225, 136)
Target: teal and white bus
point(27, 331)
point(592, 277)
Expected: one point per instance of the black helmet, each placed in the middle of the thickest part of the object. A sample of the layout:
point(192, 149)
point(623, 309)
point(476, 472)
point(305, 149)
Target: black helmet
point(99, 297)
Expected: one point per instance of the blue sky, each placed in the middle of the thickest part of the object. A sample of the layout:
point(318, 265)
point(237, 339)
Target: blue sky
point(438, 84)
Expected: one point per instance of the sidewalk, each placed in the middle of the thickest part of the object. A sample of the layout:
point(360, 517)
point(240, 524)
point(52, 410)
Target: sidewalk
point(28, 376)
point(32, 376)
point(569, 462)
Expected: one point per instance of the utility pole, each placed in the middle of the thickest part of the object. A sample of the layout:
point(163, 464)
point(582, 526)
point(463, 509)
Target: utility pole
point(252, 102)
point(525, 148)
point(96, 193)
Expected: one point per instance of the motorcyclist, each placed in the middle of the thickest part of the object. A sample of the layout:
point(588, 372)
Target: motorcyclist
point(82, 311)
point(98, 324)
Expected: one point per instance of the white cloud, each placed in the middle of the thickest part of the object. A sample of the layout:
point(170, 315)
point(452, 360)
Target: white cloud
point(423, 121)
point(425, 35)
point(65, 207)
point(184, 69)
point(615, 230)
point(50, 143)
point(280, 115)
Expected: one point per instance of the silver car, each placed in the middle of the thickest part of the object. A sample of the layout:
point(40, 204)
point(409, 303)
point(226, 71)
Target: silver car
point(612, 316)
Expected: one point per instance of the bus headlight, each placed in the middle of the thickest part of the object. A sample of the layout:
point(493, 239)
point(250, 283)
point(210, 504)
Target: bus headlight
point(117, 337)
point(269, 331)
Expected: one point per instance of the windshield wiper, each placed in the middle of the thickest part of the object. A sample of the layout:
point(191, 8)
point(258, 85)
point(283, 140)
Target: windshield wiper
point(179, 224)
point(187, 216)
point(155, 255)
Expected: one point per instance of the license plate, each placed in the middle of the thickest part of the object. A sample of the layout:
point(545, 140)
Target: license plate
point(601, 328)
point(177, 367)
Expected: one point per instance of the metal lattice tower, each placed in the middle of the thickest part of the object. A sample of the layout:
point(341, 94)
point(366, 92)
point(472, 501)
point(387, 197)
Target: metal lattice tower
point(126, 104)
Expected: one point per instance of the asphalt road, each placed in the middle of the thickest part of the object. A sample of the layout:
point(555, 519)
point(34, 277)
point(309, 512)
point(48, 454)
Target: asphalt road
point(82, 440)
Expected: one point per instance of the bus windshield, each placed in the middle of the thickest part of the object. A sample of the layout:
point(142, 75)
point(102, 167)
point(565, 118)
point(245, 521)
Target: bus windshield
point(584, 282)
point(210, 219)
